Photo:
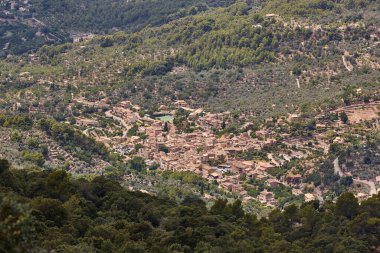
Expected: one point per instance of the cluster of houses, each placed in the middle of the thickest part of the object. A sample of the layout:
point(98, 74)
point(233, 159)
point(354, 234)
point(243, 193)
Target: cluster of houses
point(201, 151)
point(217, 159)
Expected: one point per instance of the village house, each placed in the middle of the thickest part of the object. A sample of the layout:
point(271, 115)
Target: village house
point(86, 122)
point(309, 197)
point(293, 178)
point(297, 192)
point(241, 167)
point(125, 104)
point(213, 158)
point(377, 179)
point(79, 37)
point(263, 165)
point(180, 104)
point(267, 197)
point(271, 182)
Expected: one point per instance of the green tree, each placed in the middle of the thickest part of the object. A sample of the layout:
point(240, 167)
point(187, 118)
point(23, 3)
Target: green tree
point(163, 148)
point(371, 206)
point(133, 131)
point(34, 157)
point(4, 165)
point(58, 185)
point(347, 205)
point(344, 117)
point(136, 163)
point(166, 127)
point(51, 209)
point(346, 181)
point(16, 229)
point(219, 206)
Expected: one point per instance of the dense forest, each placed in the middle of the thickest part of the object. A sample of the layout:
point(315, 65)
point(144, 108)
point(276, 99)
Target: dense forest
point(235, 58)
point(29, 25)
point(315, 8)
point(93, 16)
point(26, 26)
point(41, 211)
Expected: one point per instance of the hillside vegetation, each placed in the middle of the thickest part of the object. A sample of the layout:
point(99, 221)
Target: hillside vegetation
point(45, 211)
point(27, 25)
point(316, 9)
point(87, 163)
point(236, 58)
point(94, 16)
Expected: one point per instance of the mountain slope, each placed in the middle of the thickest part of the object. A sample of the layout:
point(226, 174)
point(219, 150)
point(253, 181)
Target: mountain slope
point(229, 58)
point(27, 25)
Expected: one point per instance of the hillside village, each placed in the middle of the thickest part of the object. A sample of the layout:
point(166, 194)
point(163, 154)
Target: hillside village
point(210, 122)
point(193, 126)
point(268, 162)
point(224, 158)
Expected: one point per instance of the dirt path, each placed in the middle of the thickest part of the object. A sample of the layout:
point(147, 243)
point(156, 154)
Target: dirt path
point(348, 65)
point(85, 132)
point(349, 107)
point(122, 121)
point(337, 168)
point(371, 184)
point(271, 158)
point(356, 106)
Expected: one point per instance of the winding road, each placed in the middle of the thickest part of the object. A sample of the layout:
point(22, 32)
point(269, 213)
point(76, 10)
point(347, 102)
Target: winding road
point(122, 121)
point(338, 171)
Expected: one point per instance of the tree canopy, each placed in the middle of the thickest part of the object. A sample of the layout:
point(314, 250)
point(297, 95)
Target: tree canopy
point(50, 210)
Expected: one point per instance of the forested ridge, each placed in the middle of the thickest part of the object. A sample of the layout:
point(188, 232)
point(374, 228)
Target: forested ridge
point(46, 211)
point(94, 16)
point(27, 25)
point(211, 58)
